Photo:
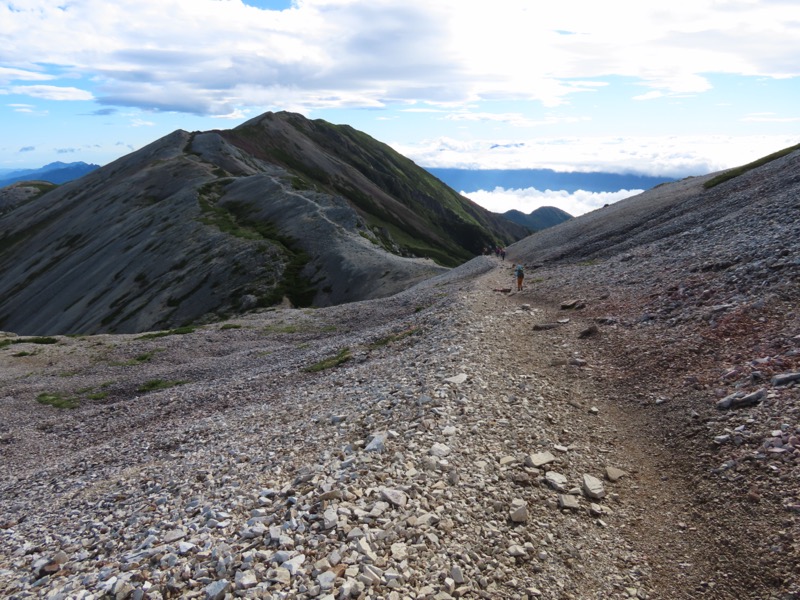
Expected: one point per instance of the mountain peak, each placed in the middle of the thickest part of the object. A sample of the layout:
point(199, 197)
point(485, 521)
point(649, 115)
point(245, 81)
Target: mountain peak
point(196, 226)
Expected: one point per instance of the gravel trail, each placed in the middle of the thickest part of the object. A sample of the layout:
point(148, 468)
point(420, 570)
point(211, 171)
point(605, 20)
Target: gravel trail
point(472, 443)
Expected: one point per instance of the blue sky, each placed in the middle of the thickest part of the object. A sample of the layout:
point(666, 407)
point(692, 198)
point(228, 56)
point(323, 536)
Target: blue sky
point(619, 86)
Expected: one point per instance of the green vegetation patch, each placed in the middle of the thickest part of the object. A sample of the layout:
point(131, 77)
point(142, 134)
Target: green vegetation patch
point(57, 400)
point(138, 359)
point(230, 326)
point(395, 337)
point(281, 328)
point(237, 219)
point(735, 172)
point(334, 361)
point(159, 334)
point(28, 340)
point(158, 384)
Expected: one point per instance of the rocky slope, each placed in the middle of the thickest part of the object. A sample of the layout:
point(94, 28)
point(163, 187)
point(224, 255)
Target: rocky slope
point(625, 427)
point(475, 444)
point(199, 226)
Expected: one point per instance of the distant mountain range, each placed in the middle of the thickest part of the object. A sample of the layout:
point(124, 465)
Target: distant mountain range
point(471, 180)
point(56, 172)
point(541, 218)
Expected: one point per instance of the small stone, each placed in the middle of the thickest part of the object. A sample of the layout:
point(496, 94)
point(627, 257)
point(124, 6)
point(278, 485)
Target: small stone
point(457, 379)
point(557, 481)
point(293, 564)
point(377, 443)
point(457, 574)
point(399, 551)
point(440, 450)
point(539, 460)
point(245, 580)
point(596, 510)
point(614, 474)
point(330, 518)
point(326, 580)
point(331, 495)
point(519, 511)
point(279, 575)
point(740, 399)
point(185, 548)
point(174, 536)
point(593, 487)
point(216, 590)
point(364, 548)
point(567, 501)
point(785, 378)
point(572, 305)
point(395, 497)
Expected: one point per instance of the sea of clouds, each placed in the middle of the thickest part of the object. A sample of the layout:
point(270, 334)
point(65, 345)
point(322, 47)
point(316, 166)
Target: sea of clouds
point(500, 200)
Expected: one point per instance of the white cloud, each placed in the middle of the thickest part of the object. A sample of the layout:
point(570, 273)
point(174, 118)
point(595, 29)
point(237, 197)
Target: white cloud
point(676, 156)
point(653, 95)
point(7, 75)
point(513, 119)
point(51, 92)
point(211, 57)
point(769, 118)
point(527, 200)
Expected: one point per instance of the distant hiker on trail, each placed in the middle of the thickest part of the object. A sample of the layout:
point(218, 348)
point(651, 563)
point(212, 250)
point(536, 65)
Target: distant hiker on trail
point(503, 253)
point(519, 271)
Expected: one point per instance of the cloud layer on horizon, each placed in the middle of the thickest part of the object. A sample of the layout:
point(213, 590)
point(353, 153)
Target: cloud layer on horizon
point(676, 157)
point(527, 200)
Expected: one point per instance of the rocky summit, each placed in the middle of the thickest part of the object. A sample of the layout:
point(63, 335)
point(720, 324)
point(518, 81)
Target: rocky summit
point(439, 442)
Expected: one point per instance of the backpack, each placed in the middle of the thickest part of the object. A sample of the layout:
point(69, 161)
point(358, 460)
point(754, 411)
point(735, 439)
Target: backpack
point(519, 271)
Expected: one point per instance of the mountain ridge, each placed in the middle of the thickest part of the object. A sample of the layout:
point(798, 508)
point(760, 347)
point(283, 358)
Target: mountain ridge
point(195, 227)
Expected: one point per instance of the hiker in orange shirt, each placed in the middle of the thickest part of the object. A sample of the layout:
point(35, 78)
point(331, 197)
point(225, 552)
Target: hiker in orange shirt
point(519, 271)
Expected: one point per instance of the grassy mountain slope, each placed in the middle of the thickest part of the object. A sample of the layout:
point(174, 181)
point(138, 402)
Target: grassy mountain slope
point(403, 204)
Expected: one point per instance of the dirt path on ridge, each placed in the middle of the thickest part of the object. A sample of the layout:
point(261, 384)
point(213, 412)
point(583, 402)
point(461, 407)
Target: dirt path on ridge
point(653, 509)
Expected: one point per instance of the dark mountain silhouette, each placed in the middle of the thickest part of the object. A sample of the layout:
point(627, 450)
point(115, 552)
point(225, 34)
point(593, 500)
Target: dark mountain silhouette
point(198, 226)
point(541, 218)
point(56, 172)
